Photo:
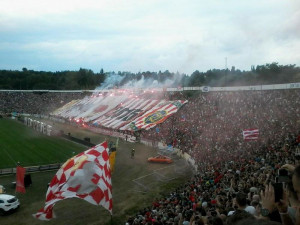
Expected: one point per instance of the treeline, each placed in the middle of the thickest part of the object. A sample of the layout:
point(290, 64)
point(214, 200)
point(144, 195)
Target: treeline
point(86, 79)
point(40, 80)
point(264, 74)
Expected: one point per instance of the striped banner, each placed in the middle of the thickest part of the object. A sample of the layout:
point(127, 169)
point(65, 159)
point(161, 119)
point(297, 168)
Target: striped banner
point(250, 134)
point(125, 112)
point(120, 111)
point(155, 115)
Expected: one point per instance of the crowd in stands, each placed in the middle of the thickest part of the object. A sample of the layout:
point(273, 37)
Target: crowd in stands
point(35, 102)
point(230, 191)
point(209, 127)
point(41, 102)
point(234, 179)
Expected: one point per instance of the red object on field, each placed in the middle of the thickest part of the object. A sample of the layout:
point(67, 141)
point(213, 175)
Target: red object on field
point(20, 179)
point(160, 159)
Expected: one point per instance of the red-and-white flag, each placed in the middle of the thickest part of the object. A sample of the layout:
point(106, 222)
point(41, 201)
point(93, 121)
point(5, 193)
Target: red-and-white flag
point(86, 176)
point(157, 114)
point(20, 179)
point(250, 134)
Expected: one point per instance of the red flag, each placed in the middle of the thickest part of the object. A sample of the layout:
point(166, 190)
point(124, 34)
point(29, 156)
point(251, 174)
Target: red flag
point(86, 176)
point(250, 134)
point(20, 179)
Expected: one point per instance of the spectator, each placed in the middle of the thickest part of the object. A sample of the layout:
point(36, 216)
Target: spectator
point(241, 202)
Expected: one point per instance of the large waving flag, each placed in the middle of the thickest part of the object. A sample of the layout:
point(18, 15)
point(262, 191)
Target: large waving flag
point(250, 134)
point(86, 176)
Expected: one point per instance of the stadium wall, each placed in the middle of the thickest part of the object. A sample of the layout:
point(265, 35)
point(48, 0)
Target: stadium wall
point(202, 88)
point(126, 137)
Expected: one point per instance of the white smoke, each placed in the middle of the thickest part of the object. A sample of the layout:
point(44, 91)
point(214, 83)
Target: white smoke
point(114, 80)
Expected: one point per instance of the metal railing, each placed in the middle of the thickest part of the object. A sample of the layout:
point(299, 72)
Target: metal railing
point(32, 169)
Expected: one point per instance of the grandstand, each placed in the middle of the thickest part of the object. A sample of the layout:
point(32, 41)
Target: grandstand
point(205, 128)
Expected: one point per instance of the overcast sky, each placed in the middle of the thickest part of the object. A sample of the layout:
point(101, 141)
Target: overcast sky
point(148, 35)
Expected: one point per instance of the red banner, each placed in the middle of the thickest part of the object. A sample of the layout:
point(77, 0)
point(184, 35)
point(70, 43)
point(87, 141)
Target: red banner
point(250, 134)
point(20, 179)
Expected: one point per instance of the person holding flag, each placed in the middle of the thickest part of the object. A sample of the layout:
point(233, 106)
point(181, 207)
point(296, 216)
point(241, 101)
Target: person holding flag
point(86, 176)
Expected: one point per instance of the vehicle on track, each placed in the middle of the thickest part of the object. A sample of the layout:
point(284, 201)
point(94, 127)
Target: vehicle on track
point(160, 159)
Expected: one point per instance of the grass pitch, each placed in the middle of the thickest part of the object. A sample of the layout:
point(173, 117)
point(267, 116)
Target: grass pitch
point(19, 143)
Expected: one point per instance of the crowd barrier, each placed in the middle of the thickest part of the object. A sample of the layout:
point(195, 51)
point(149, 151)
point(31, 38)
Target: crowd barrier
point(77, 140)
point(32, 169)
point(48, 129)
point(127, 137)
point(108, 132)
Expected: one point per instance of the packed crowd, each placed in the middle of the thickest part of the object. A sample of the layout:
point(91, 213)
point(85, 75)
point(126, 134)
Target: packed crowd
point(236, 180)
point(232, 182)
point(232, 191)
point(35, 102)
point(41, 102)
point(209, 127)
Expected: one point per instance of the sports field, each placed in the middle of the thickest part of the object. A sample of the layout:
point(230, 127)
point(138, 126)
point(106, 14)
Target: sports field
point(19, 143)
point(128, 196)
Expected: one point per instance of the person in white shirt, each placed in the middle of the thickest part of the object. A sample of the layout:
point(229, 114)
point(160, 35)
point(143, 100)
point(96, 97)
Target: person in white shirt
point(241, 202)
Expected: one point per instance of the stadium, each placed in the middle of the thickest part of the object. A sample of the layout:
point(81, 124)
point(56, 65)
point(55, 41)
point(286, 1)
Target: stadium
point(221, 139)
point(149, 112)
